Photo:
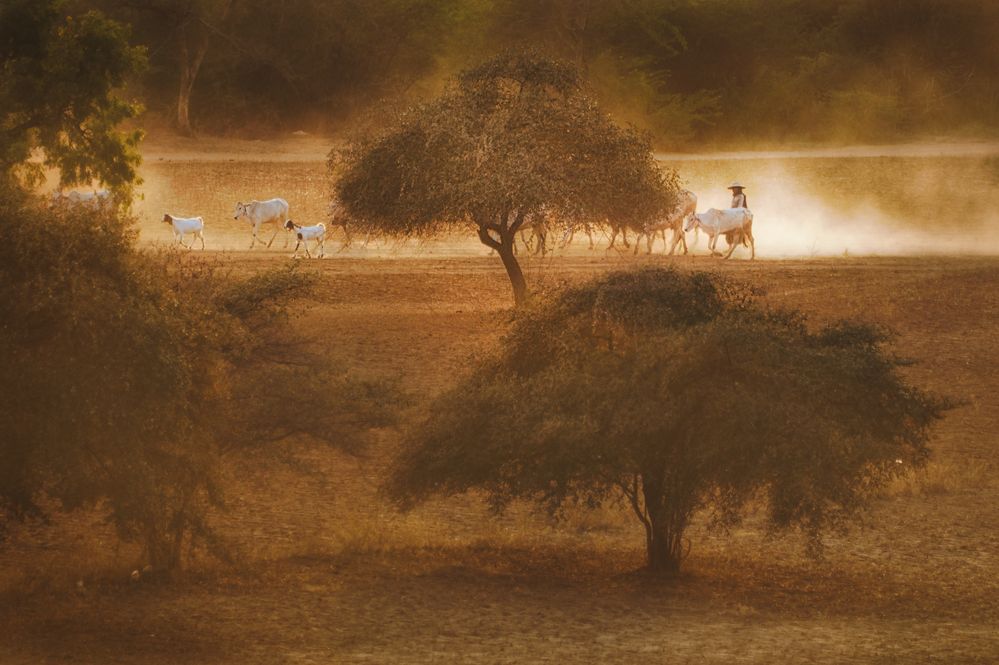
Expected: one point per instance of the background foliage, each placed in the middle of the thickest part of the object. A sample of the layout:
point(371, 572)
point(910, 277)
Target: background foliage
point(59, 79)
point(731, 71)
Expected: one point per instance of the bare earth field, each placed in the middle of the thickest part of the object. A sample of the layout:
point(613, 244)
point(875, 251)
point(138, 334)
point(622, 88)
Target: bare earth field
point(328, 572)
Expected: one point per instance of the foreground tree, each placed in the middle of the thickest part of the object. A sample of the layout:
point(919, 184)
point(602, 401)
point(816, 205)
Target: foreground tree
point(676, 393)
point(58, 88)
point(511, 139)
point(127, 376)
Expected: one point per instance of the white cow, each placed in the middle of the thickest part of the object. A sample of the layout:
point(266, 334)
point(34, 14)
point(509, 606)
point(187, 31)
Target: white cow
point(338, 217)
point(615, 228)
point(181, 226)
point(570, 233)
point(735, 221)
point(258, 213)
point(95, 198)
point(306, 233)
point(537, 224)
point(686, 205)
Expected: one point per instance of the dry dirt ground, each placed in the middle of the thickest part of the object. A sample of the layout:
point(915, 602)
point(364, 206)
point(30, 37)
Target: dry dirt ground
point(327, 572)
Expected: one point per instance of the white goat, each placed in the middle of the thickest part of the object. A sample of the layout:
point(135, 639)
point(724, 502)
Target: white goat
point(258, 213)
point(306, 233)
point(181, 226)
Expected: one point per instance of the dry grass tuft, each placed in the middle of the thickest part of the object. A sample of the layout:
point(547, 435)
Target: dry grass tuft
point(939, 478)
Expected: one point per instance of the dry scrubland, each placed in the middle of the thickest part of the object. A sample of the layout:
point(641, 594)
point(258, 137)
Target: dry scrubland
point(327, 572)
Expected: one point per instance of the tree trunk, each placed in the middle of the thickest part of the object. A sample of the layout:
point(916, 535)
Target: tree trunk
point(504, 247)
point(184, 102)
point(194, 30)
point(664, 548)
point(664, 529)
point(189, 68)
point(513, 270)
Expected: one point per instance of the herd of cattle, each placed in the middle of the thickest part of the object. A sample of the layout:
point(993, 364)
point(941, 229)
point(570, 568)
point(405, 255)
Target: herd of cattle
point(734, 224)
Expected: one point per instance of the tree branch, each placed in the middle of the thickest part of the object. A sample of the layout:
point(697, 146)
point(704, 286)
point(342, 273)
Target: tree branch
point(631, 491)
point(487, 239)
point(518, 221)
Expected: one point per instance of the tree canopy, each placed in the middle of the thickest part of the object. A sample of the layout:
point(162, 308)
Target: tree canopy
point(682, 396)
point(511, 141)
point(59, 93)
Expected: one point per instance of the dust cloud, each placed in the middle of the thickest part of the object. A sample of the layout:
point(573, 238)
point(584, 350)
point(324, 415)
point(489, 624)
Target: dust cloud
point(925, 200)
point(858, 201)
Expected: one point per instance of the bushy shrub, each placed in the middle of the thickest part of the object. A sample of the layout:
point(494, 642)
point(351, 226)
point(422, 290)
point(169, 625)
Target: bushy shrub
point(681, 395)
point(127, 374)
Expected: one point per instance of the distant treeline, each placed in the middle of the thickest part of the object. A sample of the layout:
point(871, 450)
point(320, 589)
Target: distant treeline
point(726, 72)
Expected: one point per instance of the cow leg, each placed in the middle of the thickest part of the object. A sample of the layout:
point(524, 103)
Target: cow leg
point(566, 238)
point(613, 237)
point(713, 244)
point(624, 236)
point(733, 243)
point(676, 240)
point(201, 235)
point(589, 234)
point(271, 241)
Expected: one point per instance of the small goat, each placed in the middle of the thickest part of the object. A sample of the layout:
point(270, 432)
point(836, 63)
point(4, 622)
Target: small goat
point(306, 233)
point(181, 226)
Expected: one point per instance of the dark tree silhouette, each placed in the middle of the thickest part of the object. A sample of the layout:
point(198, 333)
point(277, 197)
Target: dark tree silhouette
point(676, 393)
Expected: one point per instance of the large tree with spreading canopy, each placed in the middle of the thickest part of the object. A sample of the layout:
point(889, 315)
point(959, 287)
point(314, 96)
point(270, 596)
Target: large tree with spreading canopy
point(512, 139)
point(680, 396)
point(60, 85)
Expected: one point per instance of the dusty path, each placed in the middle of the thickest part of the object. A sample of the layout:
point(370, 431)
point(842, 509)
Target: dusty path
point(330, 574)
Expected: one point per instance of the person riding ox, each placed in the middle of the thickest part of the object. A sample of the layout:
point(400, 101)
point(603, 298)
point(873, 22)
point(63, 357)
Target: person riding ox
point(739, 199)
